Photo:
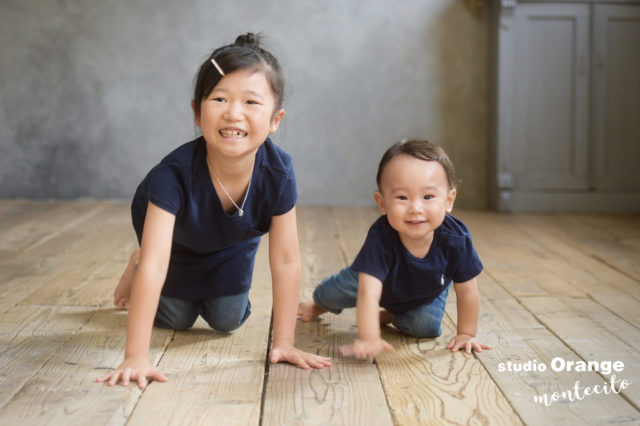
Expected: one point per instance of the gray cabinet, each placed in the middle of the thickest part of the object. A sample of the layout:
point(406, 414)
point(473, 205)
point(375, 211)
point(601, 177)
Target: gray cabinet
point(566, 106)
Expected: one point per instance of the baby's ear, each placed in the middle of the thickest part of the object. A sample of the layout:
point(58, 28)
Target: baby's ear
point(377, 196)
point(451, 197)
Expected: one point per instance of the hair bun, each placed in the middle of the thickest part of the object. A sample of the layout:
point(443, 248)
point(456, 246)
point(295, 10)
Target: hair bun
point(248, 40)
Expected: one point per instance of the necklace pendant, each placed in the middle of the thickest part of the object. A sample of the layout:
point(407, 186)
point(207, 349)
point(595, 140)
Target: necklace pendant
point(240, 212)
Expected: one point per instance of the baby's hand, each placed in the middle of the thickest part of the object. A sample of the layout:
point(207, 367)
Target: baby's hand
point(467, 342)
point(366, 349)
point(133, 369)
point(295, 356)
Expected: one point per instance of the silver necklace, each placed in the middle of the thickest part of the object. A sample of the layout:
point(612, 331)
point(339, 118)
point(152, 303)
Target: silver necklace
point(239, 208)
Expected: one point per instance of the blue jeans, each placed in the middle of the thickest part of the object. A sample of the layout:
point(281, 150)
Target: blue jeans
point(224, 314)
point(341, 291)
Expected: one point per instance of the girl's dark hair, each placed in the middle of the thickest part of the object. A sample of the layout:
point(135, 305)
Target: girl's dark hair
point(244, 54)
point(423, 150)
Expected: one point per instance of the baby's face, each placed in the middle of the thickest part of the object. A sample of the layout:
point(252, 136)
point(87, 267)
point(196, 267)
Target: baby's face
point(415, 196)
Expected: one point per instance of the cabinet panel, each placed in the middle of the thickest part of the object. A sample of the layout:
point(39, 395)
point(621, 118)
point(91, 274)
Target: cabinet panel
point(551, 97)
point(616, 106)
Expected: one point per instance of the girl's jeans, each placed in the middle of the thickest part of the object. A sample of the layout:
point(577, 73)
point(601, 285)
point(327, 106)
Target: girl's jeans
point(341, 291)
point(224, 314)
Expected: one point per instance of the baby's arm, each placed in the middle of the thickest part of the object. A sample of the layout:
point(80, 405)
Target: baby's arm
point(369, 344)
point(145, 294)
point(284, 259)
point(468, 303)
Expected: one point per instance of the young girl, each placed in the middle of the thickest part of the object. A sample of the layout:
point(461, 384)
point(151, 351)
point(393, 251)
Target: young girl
point(199, 215)
point(410, 257)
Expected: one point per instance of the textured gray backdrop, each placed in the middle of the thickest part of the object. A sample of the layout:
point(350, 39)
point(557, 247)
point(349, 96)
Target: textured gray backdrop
point(93, 93)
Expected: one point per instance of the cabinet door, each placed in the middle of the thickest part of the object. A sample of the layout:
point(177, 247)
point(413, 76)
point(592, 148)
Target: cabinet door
point(616, 96)
point(551, 148)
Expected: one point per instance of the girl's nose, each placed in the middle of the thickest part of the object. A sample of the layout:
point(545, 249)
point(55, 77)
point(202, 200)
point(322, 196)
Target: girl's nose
point(233, 111)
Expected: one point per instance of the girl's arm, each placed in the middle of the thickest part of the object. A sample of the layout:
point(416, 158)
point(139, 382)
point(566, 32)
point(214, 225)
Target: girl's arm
point(148, 280)
point(468, 303)
point(284, 259)
point(369, 343)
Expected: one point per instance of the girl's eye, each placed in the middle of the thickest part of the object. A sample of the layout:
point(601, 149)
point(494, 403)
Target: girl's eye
point(218, 100)
point(253, 103)
point(428, 197)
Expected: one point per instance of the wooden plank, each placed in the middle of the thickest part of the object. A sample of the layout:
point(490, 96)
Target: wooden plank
point(213, 377)
point(608, 238)
point(542, 253)
point(64, 390)
point(573, 320)
point(93, 269)
point(29, 336)
point(22, 275)
point(43, 221)
point(346, 392)
point(518, 337)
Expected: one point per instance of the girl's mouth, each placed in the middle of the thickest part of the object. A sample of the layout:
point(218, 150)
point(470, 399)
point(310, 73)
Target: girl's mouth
point(232, 133)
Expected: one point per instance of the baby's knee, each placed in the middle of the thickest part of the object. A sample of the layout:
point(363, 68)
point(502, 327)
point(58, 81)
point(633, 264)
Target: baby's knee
point(416, 328)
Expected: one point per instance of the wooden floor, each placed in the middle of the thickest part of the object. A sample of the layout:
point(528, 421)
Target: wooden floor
point(554, 286)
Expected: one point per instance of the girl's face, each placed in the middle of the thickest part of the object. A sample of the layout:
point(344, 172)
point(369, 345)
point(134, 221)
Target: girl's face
point(415, 195)
point(238, 114)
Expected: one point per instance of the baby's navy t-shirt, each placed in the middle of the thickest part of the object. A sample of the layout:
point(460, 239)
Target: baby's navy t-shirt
point(408, 281)
point(213, 252)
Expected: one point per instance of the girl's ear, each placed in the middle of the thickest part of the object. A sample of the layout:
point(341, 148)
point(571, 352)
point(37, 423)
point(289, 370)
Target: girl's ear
point(451, 197)
point(377, 196)
point(196, 118)
point(275, 121)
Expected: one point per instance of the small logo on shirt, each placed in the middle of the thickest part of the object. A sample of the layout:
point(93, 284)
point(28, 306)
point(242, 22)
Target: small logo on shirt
point(442, 280)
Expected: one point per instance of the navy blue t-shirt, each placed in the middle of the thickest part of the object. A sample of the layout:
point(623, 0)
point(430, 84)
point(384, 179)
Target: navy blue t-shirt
point(408, 281)
point(213, 252)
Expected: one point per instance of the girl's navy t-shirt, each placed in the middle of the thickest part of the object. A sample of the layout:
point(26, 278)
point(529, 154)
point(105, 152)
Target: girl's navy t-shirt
point(213, 252)
point(408, 281)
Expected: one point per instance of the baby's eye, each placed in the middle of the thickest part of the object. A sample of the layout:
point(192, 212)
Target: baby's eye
point(253, 102)
point(428, 197)
point(401, 197)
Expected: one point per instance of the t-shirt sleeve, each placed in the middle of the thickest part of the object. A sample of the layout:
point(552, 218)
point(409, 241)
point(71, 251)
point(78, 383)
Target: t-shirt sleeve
point(468, 265)
point(374, 257)
point(166, 188)
point(288, 193)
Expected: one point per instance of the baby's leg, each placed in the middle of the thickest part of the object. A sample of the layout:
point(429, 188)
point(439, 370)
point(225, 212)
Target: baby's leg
point(308, 310)
point(123, 289)
point(425, 320)
point(334, 294)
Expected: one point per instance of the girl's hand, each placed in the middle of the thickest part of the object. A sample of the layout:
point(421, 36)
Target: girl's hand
point(293, 355)
point(133, 369)
point(367, 349)
point(467, 342)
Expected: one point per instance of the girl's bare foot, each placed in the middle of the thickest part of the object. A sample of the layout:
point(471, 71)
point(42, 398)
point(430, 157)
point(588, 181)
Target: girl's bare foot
point(309, 310)
point(385, 317)
point(123, 289)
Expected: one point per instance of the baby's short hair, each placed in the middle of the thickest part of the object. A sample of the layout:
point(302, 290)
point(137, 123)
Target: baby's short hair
point(423, 150)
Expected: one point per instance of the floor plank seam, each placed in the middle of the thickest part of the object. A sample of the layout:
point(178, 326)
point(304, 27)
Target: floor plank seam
point(590, 297)
point(265, 378)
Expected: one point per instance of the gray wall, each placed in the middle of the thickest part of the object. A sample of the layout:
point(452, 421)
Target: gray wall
point(93, 93)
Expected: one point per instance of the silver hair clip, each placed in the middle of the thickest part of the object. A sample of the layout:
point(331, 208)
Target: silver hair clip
point(215, 64)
